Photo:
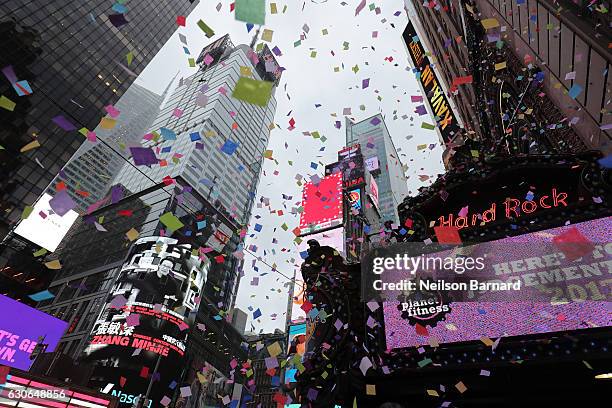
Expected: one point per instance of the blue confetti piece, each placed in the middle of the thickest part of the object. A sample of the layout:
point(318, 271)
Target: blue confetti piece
point(574, 91)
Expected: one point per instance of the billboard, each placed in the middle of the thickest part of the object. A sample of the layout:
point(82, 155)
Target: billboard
point(447, 122)
point(296, 348)
point(373, 192)
point(21, 329)
point(372, 164)
point(45, 228)
point(333, 238)
point(354, 199)
point(142, 330)
point(322, 204)
point(21, 390)
point(568, 301)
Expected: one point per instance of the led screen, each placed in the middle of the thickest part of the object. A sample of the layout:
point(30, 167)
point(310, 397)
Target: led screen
point(333, 238)
point(322, 204)
point(20, 391)
point(21, 328)
point(45, 228)
point(147, 317)
point(296, 347)
point(579, 306)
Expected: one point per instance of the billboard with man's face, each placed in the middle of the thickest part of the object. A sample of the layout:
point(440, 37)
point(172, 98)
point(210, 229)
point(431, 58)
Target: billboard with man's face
point(146, 319)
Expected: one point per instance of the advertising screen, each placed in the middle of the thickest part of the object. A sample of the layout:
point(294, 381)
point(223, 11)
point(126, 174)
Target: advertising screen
point(45, 228)
point(436, 98)
point(20, 390)
point(21, 329)
point(144, 323)
point(575, 289)
point(354, 197)
point(372, 164)
point(373, 192)
point(333, 238)
point(322, 204)
point(296, 347)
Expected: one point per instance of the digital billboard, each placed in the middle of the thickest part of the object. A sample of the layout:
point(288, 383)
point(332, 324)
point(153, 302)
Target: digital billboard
point(333, 238)
point(322, 204)
point(21, 329)
point(436, 98)
point(44, 227)
point(21, 390)
point(354, 199)
point(145, 323)
point(372, 164)
point(296, 348)
point(373, 192)
point(575, 290)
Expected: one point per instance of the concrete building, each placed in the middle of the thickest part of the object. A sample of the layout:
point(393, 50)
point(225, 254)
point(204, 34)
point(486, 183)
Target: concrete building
point(524, 76)
point(382, 161)
point(201, 116)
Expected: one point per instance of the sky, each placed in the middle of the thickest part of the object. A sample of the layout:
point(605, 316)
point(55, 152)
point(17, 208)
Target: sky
point(309, 80)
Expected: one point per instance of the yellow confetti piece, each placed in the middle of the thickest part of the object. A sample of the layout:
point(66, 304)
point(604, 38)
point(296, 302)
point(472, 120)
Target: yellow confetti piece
point(107, 123)
point(433, 393)
point(500, 65)
point(245, 71)
point(267, 35)
point(273, 9)
point(370, 389)
point(54, 264)
point(32, 145)
point(7, 104)
point(132, 234)
point(487, 341)
point(488, 23)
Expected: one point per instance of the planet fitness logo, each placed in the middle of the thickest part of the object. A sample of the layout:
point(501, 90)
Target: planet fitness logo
point(426, 308)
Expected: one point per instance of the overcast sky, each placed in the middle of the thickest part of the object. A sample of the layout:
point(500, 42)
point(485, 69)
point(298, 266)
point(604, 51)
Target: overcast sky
point(309, 81)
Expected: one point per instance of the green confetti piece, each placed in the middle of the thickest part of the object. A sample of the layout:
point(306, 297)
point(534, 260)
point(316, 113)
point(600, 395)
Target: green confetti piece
point(424, 362)
point(207, 30)
point(253, 91)
point(40, 252)
point(171, 222)
point(26, 212)
point(192, 63)
point(251, 11)
point(426, 125)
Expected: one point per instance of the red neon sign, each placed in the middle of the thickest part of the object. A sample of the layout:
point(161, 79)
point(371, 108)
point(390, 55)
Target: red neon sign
point(512, 208)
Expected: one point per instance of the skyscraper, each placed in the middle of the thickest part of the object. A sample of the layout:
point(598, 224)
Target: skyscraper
point(527, 77)
point(62, 63)
point(216, 142)
point(89, 173)
point(382, 161)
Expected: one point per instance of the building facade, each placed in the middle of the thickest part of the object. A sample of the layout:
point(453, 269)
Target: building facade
point(62, 63)
point(89, 173)
point(94, 251)
point(201, 116)
point(382, 161)
point(526, 76)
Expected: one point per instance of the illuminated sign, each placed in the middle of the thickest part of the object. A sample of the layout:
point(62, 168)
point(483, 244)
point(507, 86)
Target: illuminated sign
point(354, 197)
point(510, 208)
point(45, 228)
point(349, 151)
point(372, 164)
point(322, 204)
point(147, 316)
point(373, 192)
point(540, 263)
point(438, 102)
point(20, 390)
point(21, 329)
point(354, 182)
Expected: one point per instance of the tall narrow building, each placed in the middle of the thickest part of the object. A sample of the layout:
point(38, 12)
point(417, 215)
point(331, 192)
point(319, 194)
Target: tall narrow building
point(91, 170)
point(61, 64)
point(382, 161)
point(216, 142)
